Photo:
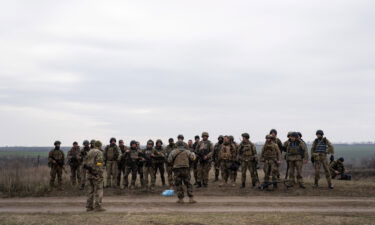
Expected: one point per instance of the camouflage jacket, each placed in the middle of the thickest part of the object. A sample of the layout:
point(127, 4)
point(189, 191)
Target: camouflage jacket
point(94, 164)
point(337, 166)
point(247, 151)
point(217, 148)
point(228, 152)
point(74, 157)
point(322, 146)
point(296, 150)
point(270, 151)
point(204, 151)
point(159, 156)
point(181, 158)
point(111, 153)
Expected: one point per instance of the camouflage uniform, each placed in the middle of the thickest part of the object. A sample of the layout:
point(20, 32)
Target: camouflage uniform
point(140, 167)
point(195, 163)
point(84, 151)
point(131, 156)
point(227, 156)
point(319, 150)
point(158, 162)
point(169, 167)
point(74, 161)
point(180, 158)
point(277, 141)
point(111, 156)
point(94, 167)
point(121, 164)
point(56, 159)
point(204, 151)
point(270, 156)
point(248, 157)
point(148, 169)
point(296, 153)
point(338, 166)
point(215, 157)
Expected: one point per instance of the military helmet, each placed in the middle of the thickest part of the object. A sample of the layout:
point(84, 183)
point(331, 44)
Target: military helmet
point(159, 141)
point(299, 134)
point(245, 135)
point(273, 131)
point(231, 137)
point(268, 136)
point(341, 159)
point(92, 142)
point(98, 144)
point(180, 144)
point(150, 142)
point(319, 132)
point(220, 137)
point(294, 134)
point(133, 143)
point(205, 134)
point(289, 133)
point(180, 136)
point(121, 141)
point(112, 139)
point(196, 137)
point(57, 143)
point(86, 143)
point(75, 143)
point(170, 140)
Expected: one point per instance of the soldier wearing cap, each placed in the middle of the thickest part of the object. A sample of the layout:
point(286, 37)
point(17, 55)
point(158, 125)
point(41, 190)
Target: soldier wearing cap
point(56, 160)
point(204, 151)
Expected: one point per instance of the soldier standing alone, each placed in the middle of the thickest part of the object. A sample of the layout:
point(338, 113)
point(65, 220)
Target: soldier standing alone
point(94, 167)
point(74, 161)
point(180, 159)
point(56, 160)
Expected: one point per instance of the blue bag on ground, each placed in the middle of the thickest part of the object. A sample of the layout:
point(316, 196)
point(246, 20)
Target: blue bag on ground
point(168, 193)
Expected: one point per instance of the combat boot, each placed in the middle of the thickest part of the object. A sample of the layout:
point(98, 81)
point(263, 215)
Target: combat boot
point(82, 187)
point(180, 201)
point(243, 185)
point(192, 201)
point(274, 185)
point(89, 209)
point(330, 186)
point(199, 185)
point(99, 209)
point(302, 186)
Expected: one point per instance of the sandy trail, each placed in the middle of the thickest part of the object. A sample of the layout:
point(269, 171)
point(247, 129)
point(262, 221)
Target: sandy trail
point(211, 204)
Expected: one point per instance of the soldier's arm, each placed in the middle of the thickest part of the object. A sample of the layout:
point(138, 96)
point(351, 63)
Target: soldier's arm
point(262, 155)
point(170, 157)
point(313, 147)
point(192, 156)
point(278, 153)
point(330, 149)
point(63, 155)
point(254, 149)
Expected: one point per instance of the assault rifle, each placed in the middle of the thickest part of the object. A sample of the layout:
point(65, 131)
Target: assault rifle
point(59, 162)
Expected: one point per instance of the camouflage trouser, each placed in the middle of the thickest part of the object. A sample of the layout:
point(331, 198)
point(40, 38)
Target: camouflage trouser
point(295, 165)
point(248, 166)
point(140, 172)
point(195, 170)
point(130, 168)
point(321, 160)
point(83, 176)
point(226, 171)
point(160, 167)
point(217, 168)
point(120, 171)
point(149, 171)
point(169, 169)
point(94, 193)
point(203, 171)
point(75, 174)
point(270, 168)
point(182, 177)
point(56, 170)
point(111, 168)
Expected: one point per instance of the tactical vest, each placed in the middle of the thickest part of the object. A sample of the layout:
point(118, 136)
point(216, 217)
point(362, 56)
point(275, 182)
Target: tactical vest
point(269, 151)
point(182, 159)
point(247, 150)
point(294, 148)
point(134, 154)
point(321, 147)
point(204, 147)
point(225, 152)
point(158, 158)
point(147, 156)
point(111, 153)
point(57, 154)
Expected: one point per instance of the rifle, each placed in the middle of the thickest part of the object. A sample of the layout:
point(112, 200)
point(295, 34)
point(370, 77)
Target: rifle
point(59, 163)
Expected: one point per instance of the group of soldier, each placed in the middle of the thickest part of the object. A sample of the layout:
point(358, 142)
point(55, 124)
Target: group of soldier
point(180, 159)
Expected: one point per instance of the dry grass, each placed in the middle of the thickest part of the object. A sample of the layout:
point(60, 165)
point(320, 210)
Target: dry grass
point(191, 219)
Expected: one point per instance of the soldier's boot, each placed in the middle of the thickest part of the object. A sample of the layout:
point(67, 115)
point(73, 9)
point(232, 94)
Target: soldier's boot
point(198, 185)
point(191, 200)
point(89, 209)
point(82, 187)
point(180, 201)
point(302, 186)
point(330, 186)
point(99, 209)
point(274, 185)
point(163, 180)
point(243, 185)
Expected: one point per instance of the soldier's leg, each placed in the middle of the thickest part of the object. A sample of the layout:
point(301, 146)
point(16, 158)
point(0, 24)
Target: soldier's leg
point(178, 183)
point(189, 187)
point(134, 170)
point(98, 194)
point(207, 169)
point(299, 165)
point(78, 172)
point(266, 169)
point(52, 176)
point(199, 173)
point(83, 178)
point(153, 175)
point(141, 177)
point(291, 172)
point(162, 170)
point(72, 175)
point(126, 176)
point(195, 166)
point(119, 171)
point(59, 176)
point(217, 170)
point(252, 169)
point(224, 172)
point(275, 171)
point(327, 172)
point(243, 172)
point(90, 195)
point(170, 175)
point(145, 176)
point(114, 173)
point(317, 171)
point(108, 168)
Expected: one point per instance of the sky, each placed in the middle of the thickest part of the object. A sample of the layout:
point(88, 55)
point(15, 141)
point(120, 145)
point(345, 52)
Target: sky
point(75, 70)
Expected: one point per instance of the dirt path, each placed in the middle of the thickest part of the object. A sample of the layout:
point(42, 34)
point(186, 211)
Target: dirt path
point(158, 204)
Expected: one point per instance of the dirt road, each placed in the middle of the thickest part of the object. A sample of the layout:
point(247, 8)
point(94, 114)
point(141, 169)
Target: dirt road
point(209, 204)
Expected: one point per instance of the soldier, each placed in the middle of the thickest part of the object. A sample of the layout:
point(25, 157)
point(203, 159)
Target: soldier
point(169, 167)
point(215, 156)
point(131, 156)
point(204, 151)
point(180, 158)
point(92, 144)
point(121, 162)
point(181, 137)
point(273, 133)
point(319, 150)
point(94, 167)
point(190, 144)
point(235, 165)
point(85, 150)
point(74, 161)
point(270, 156)
point(140, 166)
point(111, 156)
point(284, 149)
point(158, 160)
point(337, 168)
point(227, 156)
point(297, 155)
point(56, 159)
point(195, 162)
point(148, 169)
point(249, 160)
